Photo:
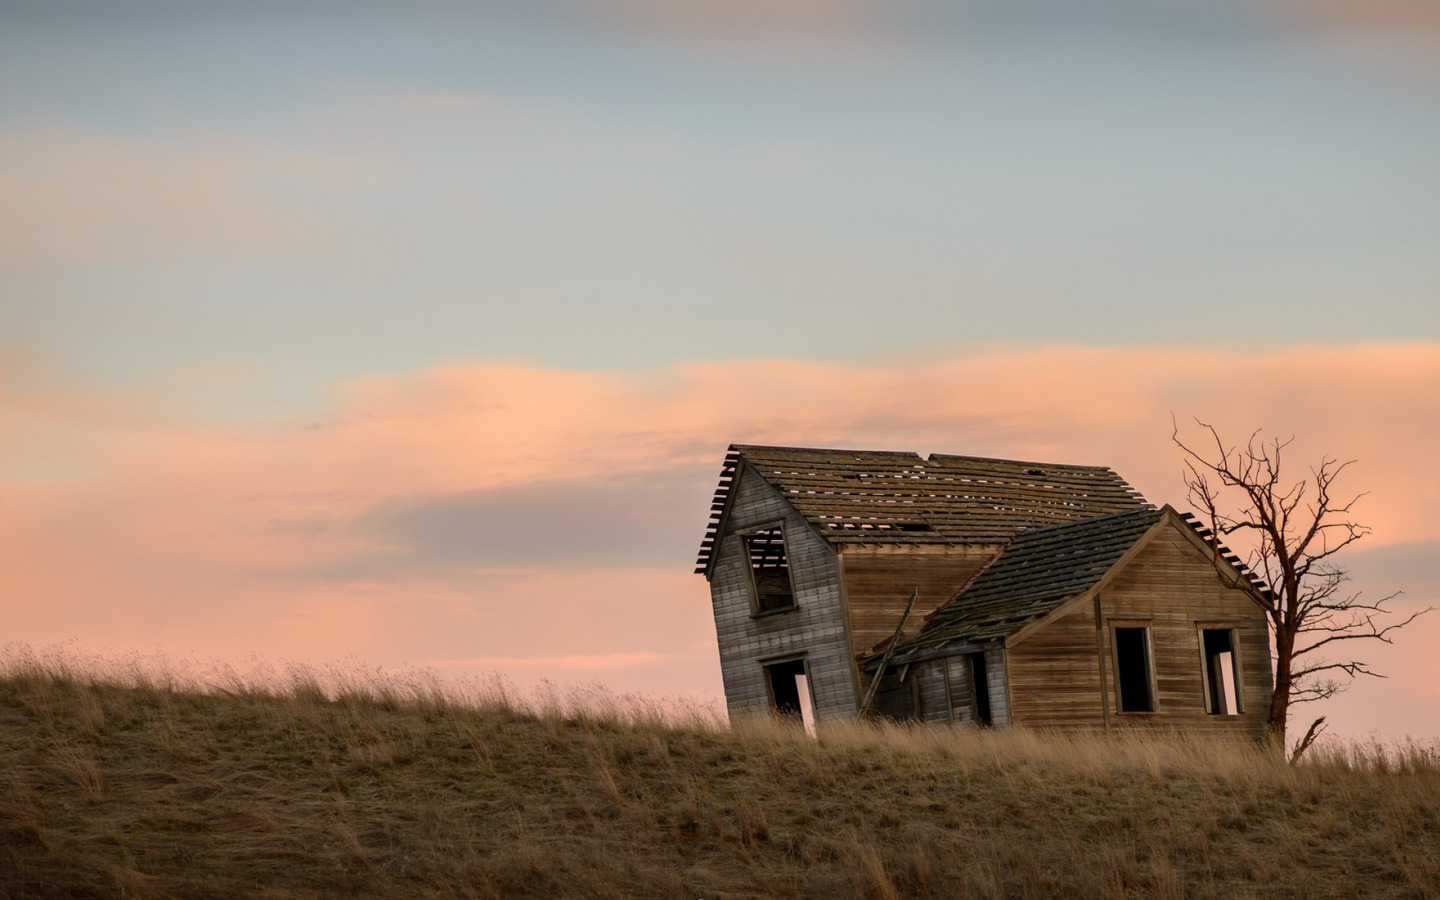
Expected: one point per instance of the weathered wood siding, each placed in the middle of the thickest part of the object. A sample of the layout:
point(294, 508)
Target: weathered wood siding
point(962, 710)
point(940, 690)
point(895, 699)
point(934, 699)
point(1055, 673)
point(962, 694)
point(1172, 588)
point(923, 696)
point(815, 628)
point(997, 673)
point(879, 580)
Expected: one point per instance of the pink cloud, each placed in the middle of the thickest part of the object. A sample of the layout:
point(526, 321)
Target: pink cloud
point(347, 535)
point(551, 663)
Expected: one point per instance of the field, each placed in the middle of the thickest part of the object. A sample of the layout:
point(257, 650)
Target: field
point(129, 783)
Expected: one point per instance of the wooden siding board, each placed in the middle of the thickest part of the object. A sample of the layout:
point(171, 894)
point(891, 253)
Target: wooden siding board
point(997, 675)
point(934, 703)
point(1053, 676)
point(962, 698)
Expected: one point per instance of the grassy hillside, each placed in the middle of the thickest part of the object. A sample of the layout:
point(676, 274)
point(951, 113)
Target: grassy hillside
point(127, 786)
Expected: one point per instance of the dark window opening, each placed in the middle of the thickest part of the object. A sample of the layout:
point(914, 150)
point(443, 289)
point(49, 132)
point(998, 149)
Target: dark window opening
point(980, 688)
point(1222, 677)
point(898, 697)
point(770, 569)
point(1132, 664)
point(790, 691)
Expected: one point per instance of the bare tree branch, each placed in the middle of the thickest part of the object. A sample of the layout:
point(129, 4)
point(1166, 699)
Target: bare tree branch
point(1311, 733)
point(1296, 529)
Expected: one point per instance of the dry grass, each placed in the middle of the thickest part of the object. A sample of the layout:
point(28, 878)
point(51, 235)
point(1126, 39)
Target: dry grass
point(116, 781)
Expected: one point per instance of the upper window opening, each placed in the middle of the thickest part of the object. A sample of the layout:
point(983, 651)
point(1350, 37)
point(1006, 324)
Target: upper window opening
point(1132, 670)
point(770, 569)
point(1222, 673)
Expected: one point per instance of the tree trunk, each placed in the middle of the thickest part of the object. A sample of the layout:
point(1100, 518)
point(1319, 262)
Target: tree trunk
point(1280, 700)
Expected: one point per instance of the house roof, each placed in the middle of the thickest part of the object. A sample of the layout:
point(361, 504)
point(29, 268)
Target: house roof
point(1041, 569)
point(880, 497)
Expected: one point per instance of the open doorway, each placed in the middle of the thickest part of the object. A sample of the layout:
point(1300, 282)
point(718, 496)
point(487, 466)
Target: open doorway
point(980, 688)
point(789, 685)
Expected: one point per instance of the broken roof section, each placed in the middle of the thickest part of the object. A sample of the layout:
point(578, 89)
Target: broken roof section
point(875, 497)
point(1043, 568)
point(1040, 570)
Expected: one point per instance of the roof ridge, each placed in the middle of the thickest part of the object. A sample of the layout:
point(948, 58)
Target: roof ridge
point(1091, 521)
point(1020, 462)
point(835, 450)
point(900, 498)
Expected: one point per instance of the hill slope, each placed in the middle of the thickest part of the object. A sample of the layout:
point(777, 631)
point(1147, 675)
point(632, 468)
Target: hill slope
point(134, 789)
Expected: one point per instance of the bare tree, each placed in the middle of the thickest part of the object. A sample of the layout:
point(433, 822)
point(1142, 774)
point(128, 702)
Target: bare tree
point(1293, 529)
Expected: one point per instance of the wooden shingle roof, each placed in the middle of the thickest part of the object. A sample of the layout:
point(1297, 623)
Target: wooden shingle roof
point(867, 496)
point(1041, 569)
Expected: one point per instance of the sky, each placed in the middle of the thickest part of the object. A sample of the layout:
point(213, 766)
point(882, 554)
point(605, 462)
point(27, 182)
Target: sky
point(415, 334)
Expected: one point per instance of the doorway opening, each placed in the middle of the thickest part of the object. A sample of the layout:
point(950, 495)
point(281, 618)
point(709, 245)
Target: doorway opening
point(980, 688)
point(789, 685)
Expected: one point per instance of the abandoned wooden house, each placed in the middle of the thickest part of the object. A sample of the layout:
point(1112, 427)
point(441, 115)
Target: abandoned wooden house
point(966, 590)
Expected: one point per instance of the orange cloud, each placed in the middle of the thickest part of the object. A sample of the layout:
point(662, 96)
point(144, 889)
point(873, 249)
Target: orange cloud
point(498, 512)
